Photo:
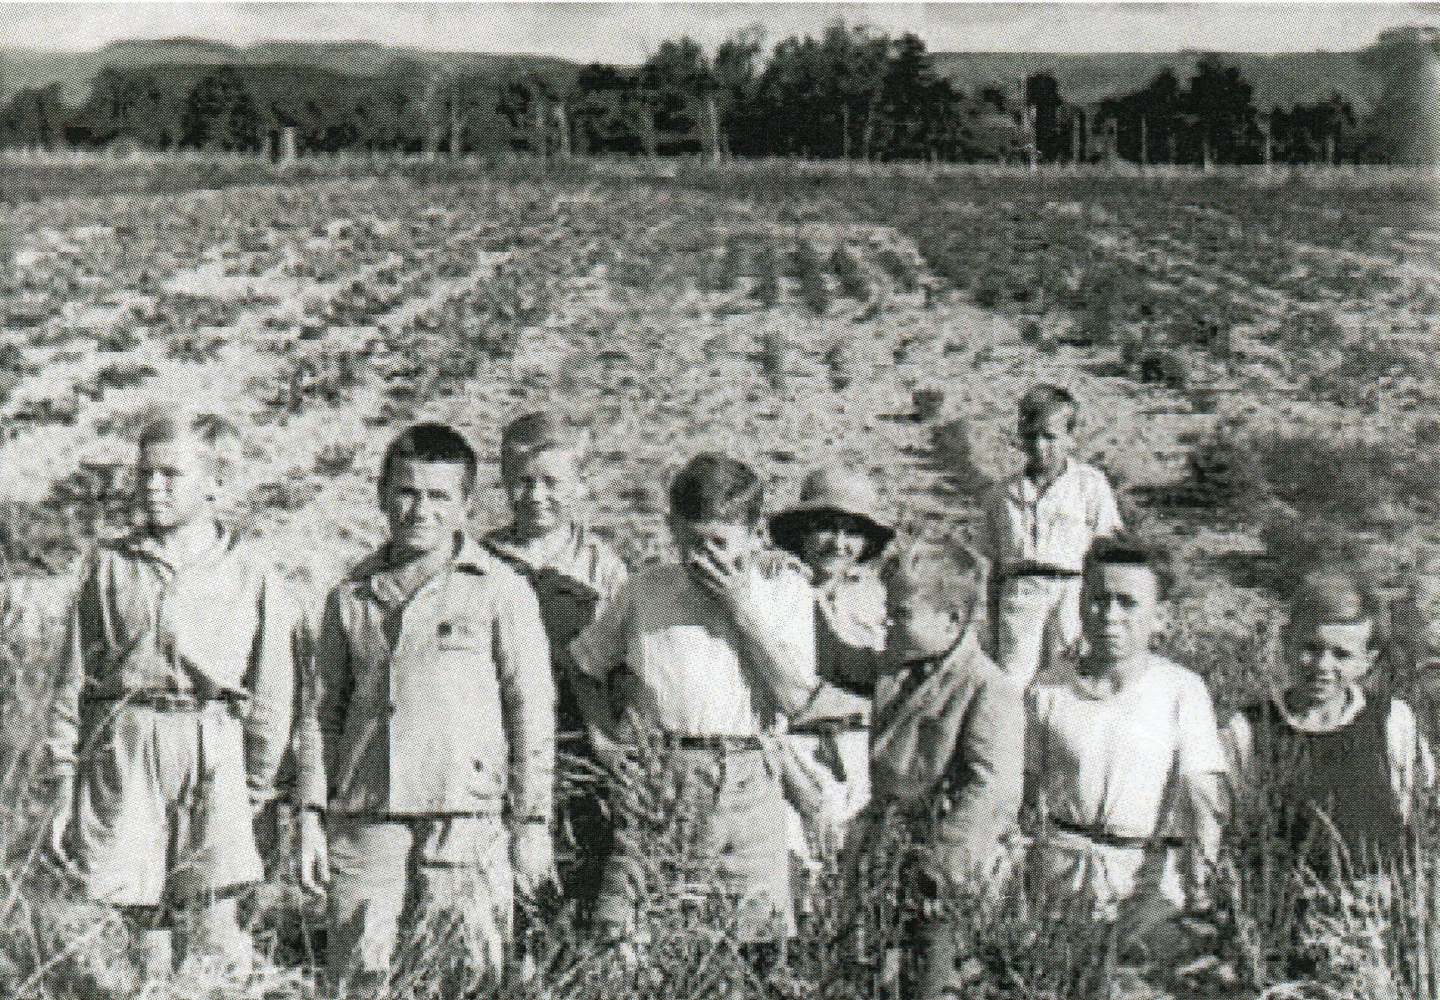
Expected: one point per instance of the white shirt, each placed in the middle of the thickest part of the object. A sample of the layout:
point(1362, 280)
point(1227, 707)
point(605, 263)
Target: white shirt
point(1113, 762)
point(684, 650)
point(1054, 528)
point(1412, 763)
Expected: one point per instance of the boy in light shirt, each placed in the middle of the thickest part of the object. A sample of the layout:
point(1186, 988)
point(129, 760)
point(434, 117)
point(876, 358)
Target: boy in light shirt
point(717, 650)
point(1037, 528)
point(1123, 759)
point(426, 742)
point(174, 705)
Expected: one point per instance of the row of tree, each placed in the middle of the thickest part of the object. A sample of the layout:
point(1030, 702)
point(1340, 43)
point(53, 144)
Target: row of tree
point(851, 93)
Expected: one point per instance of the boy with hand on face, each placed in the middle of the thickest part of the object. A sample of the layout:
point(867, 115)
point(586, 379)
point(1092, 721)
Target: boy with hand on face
point(949, 741)
point(1324, 742)
point(174, 704)
point(574, 573)
point(427, 737)
point(717, 649)
point(1123, 760)
point(1037, 528)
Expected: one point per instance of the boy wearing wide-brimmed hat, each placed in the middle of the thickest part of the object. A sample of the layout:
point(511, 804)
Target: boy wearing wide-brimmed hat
point(836, 530)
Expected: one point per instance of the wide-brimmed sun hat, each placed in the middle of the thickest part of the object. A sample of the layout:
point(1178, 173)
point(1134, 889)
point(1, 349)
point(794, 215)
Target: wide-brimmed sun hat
point(840, 492)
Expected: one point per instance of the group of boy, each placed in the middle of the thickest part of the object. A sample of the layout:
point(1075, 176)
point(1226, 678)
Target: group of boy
point(800, 691)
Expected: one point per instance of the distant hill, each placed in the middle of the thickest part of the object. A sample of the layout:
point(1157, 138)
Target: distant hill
point(21, 67)
point(1281, 79)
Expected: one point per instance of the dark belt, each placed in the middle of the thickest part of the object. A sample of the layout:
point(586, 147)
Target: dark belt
point(827, 727)
point(1045, 572)
point(164, 701)
point(724, 744)
point(1104, 838)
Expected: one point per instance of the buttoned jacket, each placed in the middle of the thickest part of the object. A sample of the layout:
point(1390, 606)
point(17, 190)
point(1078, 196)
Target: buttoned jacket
point(439, 704)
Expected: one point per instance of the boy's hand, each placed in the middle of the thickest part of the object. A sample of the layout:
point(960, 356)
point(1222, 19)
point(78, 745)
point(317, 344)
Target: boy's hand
point(532, 855)
point(725, 577)
point(314, 854)
point(64, 806)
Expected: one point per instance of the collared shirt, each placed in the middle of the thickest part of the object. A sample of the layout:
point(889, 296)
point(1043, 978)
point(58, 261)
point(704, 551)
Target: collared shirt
point(575, 573)
point(686, 654)
point(1118, 763)
point(1412, 763)
point(1054, 529)
point(983, 781)
point(440, 704)
point(219, 626)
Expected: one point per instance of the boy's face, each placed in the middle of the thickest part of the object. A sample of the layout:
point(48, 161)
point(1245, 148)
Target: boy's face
point(916, 629)
point(1119, 608)
point(832, 545)
point(174, 481)
point(1047, 441)
point(425, 503)
point(542, 488)
point(1326, 658)
point(724, 541)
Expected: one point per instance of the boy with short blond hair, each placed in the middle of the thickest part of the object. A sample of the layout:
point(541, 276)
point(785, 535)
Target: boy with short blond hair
point(426, 742)
point(1324, 742)
point(716, 650)
point(174, 703)
point(1037, 527)
point(949, 739)
point(575, 573)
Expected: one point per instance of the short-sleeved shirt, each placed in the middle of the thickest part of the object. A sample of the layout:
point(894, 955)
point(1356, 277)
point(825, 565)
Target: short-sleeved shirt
point(1111, 763)
point(686, 653)
point(1055, 529)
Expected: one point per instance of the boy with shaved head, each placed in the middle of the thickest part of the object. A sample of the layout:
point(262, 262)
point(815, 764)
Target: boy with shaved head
point(426, 745)
point(174, 703)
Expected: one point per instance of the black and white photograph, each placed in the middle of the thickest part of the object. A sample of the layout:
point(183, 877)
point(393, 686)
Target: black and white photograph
point(719, 501)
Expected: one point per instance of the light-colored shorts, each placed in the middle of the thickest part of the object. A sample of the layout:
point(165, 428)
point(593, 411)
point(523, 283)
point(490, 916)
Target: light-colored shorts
point(395, 880)
point(1038, 619)
point(163, 809)
point(735, 801)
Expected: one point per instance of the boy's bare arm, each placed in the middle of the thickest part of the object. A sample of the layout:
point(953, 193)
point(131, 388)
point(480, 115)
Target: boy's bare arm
point(527, 693)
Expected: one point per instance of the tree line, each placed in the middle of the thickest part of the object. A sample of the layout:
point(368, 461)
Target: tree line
point(852, 93)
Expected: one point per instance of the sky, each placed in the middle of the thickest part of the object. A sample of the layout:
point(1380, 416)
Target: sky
point(627, 32)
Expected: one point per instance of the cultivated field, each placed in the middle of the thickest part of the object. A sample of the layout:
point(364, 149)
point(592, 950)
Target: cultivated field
point(1255, 357)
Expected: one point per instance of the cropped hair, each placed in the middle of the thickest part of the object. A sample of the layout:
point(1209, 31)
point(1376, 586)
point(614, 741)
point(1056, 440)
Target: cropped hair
point(432, 442)
point(1128, 550)
point(215, 437)
point(534, 433)
point(1335, 597)
point(946, 575)
point(714, 487)
point(1044, 399)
